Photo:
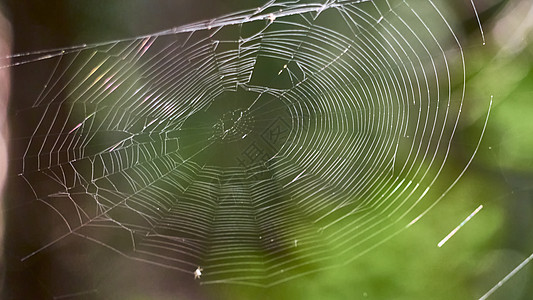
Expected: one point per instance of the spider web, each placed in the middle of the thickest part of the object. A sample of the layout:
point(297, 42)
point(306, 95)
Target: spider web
point(256, 145)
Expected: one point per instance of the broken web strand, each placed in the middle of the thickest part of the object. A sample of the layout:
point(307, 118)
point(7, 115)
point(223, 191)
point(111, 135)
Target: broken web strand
point(506, 278)
point(351, 187)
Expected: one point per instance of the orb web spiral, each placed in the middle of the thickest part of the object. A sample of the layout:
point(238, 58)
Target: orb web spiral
point(261, 145)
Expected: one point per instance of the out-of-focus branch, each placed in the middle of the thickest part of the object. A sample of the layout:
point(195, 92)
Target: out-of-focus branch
point(515, 25)
point(5, 50)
